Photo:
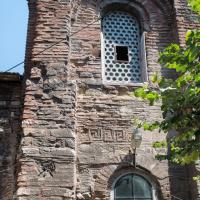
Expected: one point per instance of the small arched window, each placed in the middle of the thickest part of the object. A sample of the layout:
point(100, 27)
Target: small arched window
point(121, 49)
point(133, 187)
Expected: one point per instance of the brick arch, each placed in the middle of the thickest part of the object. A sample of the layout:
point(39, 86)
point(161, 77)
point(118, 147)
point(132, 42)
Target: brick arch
point(143, 9)
point(134, 8)
point(106, 177)
point(146, 162)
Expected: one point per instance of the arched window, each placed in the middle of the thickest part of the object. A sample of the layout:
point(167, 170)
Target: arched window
point(133, 187)
point(121, 49)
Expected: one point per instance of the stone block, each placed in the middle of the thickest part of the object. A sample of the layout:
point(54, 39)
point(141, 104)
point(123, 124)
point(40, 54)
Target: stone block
point(63, 152)
point(35, 132)
point(62, 133)
point(86, 75)
point(55, 198)
point(26, 191)
point(32, 197)
point(30, 150)
point(54, 191)
point(2, 103)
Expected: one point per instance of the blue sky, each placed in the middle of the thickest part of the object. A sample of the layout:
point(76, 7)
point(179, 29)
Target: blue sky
point(13, 20)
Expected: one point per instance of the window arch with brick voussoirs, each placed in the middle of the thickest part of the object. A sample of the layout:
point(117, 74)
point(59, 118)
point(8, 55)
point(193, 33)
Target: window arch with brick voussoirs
point(133, 186)
point(123, 49)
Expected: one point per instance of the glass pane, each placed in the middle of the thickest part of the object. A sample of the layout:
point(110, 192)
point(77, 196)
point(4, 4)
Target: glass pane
point(124, 187)
point(141, 188)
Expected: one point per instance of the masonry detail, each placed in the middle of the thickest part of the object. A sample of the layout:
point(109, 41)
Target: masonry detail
point(74, 123)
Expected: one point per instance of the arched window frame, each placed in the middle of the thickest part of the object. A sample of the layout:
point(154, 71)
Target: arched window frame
point(154, 190)
point(142, 49)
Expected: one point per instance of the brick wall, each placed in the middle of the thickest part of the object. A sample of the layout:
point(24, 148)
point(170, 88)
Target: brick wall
point(10, 131)
point(185, 19)
point(104, 112)
point(76, 130)
point(48, 144)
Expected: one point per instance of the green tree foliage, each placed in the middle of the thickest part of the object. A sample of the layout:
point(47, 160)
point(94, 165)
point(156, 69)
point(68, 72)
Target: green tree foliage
point(180, 97)
point(195, 4)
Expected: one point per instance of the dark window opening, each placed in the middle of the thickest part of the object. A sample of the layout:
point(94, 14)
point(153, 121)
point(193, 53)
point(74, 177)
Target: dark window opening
point(133, 187)
point(122, 54)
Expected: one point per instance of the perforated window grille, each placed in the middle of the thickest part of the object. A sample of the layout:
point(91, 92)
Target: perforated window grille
point(121, 29)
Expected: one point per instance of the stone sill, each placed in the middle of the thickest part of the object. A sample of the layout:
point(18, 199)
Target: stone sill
point(125, 84)
point(108, 84)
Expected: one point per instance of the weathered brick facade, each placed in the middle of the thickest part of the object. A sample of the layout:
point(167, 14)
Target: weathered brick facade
point(76, 129)
point(10, 131)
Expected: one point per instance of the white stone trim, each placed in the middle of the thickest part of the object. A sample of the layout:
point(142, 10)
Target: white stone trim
point(102, 56)
point(143, 59)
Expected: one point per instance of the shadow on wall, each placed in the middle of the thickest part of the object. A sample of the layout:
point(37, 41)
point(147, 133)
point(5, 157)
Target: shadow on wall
point(194, 171)
point(168, 34)
point(10, 130)
point(182, 185)
point(178, 182)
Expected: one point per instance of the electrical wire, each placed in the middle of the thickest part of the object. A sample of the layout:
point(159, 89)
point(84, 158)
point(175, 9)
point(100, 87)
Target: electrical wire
point(54, 44)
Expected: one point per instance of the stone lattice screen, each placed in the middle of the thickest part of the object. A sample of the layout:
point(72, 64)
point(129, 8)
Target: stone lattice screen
point(121, 30)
